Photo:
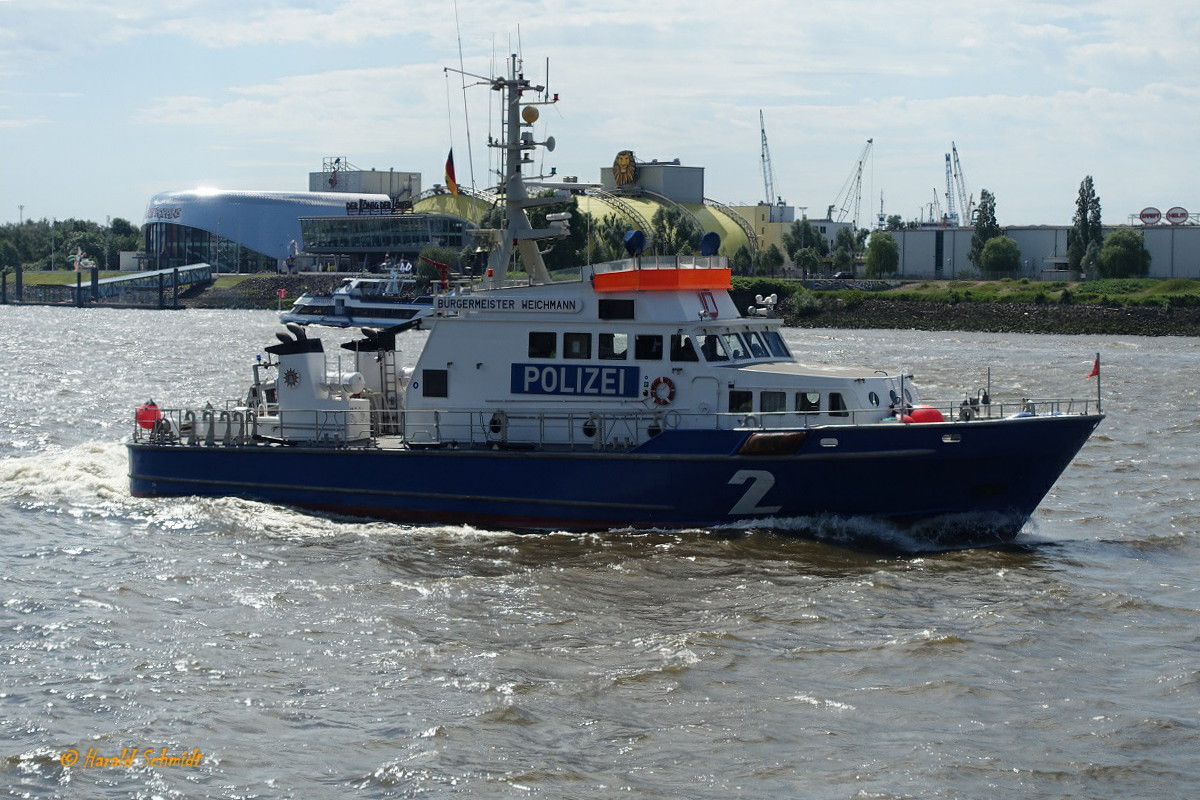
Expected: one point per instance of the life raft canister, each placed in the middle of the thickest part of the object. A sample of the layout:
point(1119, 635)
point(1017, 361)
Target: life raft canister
point(662, 391)
point(148, 415)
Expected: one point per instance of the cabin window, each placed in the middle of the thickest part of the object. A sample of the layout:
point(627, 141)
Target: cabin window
point(808, 402)
point(435, 383)
point(736, 347)
point(542, 344)
point(615, 309)
point(740, 401)
point(755, 343)
point(713, 348)
point(682, 348)
point(908, 398)
point(614, 346)
point(771, 402)
point(837, 406)
point(776, 344)
point(577, 345)
point(647, 347)
point(874, 398)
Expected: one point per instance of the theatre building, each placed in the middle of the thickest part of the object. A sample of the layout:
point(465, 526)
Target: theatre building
point(248, 231)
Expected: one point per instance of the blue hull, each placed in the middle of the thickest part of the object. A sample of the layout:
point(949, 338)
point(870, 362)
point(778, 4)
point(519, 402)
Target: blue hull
point(953, 475)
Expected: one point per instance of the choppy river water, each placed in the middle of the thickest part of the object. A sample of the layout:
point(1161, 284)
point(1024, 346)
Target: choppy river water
point(227, 649)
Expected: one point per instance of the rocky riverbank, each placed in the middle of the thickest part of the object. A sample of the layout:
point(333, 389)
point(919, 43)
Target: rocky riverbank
point(1002, 317)
point(871, 312)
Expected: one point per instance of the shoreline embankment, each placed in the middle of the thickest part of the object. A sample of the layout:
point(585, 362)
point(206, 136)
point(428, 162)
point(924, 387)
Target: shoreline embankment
point(875, 312)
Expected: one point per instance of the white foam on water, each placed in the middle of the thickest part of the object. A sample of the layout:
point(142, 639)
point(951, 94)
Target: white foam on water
point(89, 478)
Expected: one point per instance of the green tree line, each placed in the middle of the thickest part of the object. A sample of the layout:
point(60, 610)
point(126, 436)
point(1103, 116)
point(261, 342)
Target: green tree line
point(1121, 254)
point(47, 245)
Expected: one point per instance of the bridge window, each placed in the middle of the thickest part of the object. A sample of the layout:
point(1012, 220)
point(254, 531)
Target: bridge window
point(713, 348)
point(755, 343)
point(614, 346)
point(736, 347)
point(577, 345)
point(543, 344)
point(776, 344)
point(682, 348)
point(648, 347)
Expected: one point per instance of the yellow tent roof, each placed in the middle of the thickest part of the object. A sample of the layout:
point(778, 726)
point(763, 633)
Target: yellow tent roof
point(710, 219)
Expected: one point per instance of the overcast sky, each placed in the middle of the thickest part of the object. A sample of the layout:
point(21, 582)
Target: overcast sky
point(104, 104)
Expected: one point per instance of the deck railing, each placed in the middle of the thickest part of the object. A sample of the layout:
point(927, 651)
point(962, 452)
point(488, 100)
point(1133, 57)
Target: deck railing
point(235, 426)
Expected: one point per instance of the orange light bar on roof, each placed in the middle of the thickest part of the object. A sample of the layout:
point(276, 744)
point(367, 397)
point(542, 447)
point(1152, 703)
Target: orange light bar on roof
point(662, 280)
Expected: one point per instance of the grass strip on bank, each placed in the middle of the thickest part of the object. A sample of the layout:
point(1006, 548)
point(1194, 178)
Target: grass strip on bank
point(1111, 293)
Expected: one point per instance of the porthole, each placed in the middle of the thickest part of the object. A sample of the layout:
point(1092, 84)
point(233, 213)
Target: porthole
point(874, 398)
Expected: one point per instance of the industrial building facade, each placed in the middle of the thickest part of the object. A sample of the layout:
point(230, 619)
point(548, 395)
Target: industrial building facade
point(354, 219)
point(942, 252)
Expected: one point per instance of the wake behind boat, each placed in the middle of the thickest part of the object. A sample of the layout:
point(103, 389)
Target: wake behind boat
point(634, 396)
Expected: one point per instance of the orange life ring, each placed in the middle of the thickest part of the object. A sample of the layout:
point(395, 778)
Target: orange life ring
point(661, 398)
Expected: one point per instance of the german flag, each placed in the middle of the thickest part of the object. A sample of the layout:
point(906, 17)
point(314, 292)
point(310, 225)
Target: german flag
point(451, 182)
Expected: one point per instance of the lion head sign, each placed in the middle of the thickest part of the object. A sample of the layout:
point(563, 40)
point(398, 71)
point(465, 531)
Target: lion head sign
point(624, 168)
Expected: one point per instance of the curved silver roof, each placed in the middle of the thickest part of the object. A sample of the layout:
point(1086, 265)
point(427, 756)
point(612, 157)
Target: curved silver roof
point(266, 222)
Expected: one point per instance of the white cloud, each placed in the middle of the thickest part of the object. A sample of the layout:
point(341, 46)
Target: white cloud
point(1034, 92)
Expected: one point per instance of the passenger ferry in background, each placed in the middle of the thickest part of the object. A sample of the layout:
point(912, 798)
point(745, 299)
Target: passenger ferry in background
point(364, 301)
point(634, 396)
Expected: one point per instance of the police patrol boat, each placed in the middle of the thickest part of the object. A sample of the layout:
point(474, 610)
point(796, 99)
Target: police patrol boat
point(634, 396)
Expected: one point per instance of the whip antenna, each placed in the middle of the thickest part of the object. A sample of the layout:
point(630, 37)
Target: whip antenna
point(466, 116)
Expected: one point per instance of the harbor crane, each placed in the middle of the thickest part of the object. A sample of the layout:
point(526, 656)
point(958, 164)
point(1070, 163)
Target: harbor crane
point(767, 170)
point(966, 203)
point(951, 213)
point(851, 194)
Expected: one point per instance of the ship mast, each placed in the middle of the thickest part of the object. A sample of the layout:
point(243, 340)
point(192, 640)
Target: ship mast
point(517, 142)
